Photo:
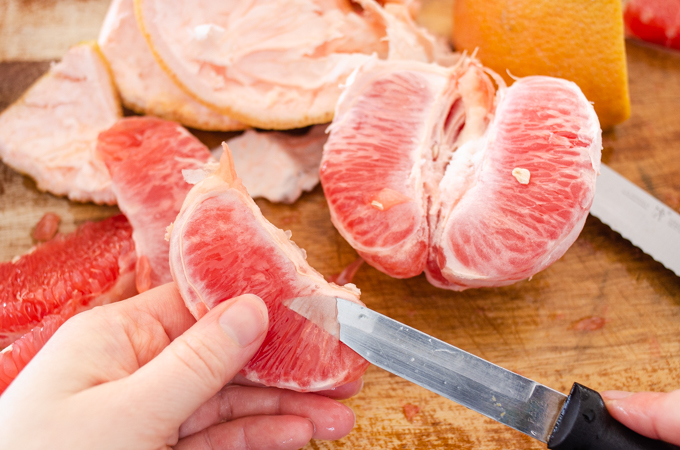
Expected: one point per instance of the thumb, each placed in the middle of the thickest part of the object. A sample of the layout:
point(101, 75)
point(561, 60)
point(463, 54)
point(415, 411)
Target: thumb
point(197, 364)
point(652, 414)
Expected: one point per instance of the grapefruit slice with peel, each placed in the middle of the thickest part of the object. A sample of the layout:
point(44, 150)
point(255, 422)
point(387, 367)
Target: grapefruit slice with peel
point(425, 170)
point(146, 156)
point(50, 133)
point(276, 64)
point(222, 246)
point(68, 274)
point(144, 87)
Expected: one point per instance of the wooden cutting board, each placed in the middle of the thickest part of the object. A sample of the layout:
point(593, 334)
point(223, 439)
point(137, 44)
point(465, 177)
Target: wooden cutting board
point(605, 314)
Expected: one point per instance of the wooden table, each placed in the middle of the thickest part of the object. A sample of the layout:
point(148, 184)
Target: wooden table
point(538, 328)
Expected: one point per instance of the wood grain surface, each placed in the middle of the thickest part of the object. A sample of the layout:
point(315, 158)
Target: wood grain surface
point(605, 314)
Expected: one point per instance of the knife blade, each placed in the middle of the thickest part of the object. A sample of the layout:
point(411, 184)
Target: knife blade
point(639, 217)
point(579, 421)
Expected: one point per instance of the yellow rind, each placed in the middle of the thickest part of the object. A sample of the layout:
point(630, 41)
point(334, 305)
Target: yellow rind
point(579, 40)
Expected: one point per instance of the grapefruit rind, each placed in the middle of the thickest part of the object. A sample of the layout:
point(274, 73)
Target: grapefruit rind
point(306, 90)
point(50, 132)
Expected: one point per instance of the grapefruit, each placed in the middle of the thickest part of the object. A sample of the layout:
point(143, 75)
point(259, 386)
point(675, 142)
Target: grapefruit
point(50, 133)
point(578, 40)
point(47, 227)
point(146, 156)
point(655, 21)
point(14, 358)
point(144, 87)
point(92, 266)
point(276, 64)
point(222, 246)
point(425, 170)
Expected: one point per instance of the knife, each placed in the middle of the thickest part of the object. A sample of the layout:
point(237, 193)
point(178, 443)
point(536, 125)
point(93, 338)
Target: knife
point(579, 421)
point(639, 217)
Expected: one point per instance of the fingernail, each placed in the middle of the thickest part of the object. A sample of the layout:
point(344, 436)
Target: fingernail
point(243, 322)
point(615, 395)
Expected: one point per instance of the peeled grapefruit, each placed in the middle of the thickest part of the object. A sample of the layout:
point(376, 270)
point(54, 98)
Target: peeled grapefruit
point(144, 87)
point(276, 64)
point(92, 266)
point(146, 156)
point(425, 170)
point(655, 21)
point(50, 133)
point(221, 246)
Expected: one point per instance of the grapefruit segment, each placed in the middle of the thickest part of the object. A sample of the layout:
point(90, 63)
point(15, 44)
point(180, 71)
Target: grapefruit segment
point(144, 87)
point(68, 274)
point(146, 156)
point(276, 64)
point(221, 246)
point(502, 230)
point(50, 133)
point(500, 182)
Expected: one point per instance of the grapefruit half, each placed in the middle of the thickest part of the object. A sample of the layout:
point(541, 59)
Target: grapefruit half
point(427, 169)
point(222, 246)
point(146, 156)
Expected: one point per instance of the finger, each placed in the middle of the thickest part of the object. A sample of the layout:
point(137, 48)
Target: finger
point(345, 391)
point(332, 420)
point(196, 365)
point(339, 393)
point(260, 432)
point(652, 414)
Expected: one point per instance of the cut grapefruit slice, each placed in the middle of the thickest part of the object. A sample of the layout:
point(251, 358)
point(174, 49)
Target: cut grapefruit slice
point(278, 166)
point(423, 172)
point(146, 156)
point(90, 267)
point(50, 133)
point(221, 246)
point(144, 87)
point(655, 21)
point(276, 64)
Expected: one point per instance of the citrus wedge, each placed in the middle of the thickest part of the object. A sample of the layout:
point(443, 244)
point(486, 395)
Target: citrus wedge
point(221, 246)
point(146, 157)
point(50, 133)
point(578, 40)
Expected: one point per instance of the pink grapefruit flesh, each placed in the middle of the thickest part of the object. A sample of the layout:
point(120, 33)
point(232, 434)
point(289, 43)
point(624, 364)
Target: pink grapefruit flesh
point(145, 157)
point(68, 274)
point(429, 169)
point(654, 21)
point(221, 246)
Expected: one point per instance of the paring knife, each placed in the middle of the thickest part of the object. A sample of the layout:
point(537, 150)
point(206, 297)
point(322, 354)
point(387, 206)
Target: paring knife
point(637, 216)
point(579, 421)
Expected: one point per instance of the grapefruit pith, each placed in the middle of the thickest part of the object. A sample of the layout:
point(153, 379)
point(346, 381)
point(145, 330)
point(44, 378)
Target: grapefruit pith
point(221, 246)
point(68, 274)
point(146, 156)
point(425, 171)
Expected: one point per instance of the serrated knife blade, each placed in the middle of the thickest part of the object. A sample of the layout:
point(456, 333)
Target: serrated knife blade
point(639, 217)
point(579, 421)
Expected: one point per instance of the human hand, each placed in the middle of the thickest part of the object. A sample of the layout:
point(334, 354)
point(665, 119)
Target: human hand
point(652, 414)
point(143, 374)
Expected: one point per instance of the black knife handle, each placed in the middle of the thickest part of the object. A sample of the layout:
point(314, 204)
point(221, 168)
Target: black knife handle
point(585, 424)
